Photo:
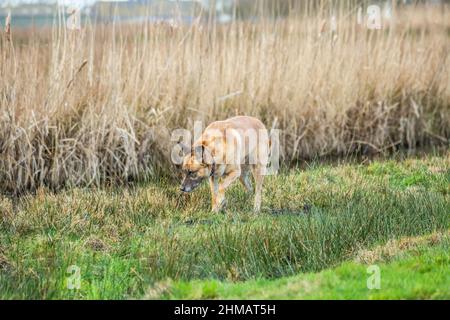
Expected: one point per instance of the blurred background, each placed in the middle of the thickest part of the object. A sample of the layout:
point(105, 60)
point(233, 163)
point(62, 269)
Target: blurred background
point(43, 12)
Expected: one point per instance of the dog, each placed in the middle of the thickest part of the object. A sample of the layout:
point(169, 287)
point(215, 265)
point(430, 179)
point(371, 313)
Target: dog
point(225, 152)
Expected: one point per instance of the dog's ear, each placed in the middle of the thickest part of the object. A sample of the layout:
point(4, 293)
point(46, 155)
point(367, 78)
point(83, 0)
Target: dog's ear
point(185, 149)
point(202, 153)
point(208, 159)
point(179, 151)
point(197, 152)
point(207, 156)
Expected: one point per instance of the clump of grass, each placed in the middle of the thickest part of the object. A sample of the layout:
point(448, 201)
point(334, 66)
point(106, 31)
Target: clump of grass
point(96, 106)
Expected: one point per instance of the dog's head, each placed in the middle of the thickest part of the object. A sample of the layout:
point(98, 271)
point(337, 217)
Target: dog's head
point(197, 166)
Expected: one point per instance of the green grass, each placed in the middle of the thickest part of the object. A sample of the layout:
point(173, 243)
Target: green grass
point(128, 241)
point(422, 273)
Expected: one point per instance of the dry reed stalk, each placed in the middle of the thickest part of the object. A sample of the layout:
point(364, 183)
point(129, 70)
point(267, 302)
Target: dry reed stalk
point(8, 27)
point(80, 68)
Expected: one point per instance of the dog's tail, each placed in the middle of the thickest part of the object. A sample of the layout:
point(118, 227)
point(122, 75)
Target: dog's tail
point(271, 135)
point(272, 140)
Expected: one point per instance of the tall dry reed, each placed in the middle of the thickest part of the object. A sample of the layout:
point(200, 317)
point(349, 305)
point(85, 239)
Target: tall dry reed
point(97, 105)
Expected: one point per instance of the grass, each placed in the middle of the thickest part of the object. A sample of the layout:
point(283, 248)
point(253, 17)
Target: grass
point(128, 242)
point(99, 105)
point(418, 273)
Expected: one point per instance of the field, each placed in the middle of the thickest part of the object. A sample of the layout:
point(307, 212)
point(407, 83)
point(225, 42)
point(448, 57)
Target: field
point(90, 206)
point(148, 241)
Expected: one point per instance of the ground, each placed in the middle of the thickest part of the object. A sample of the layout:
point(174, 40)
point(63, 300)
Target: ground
point(321, 227)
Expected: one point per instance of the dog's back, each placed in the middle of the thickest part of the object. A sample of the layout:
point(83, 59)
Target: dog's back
point(242, 123)
point(245, 134)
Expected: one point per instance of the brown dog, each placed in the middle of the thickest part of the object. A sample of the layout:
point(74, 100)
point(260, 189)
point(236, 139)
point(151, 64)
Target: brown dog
point(228, 150)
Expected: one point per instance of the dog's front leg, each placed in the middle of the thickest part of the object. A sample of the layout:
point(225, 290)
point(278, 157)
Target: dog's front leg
point(227, 180)
point(214, 185)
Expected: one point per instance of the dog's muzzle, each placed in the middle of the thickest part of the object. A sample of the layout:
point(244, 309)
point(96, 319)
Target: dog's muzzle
point(189, 185)
point(185, 189)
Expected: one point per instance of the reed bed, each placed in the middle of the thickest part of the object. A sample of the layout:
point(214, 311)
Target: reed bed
point(98, 105)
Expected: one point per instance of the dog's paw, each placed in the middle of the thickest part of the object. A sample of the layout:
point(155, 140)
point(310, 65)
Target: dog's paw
point(223, 205)
point(220, 207)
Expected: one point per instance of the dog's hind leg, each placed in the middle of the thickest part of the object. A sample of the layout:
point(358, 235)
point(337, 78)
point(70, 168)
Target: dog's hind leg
point(258, 174)
point(245, 178)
